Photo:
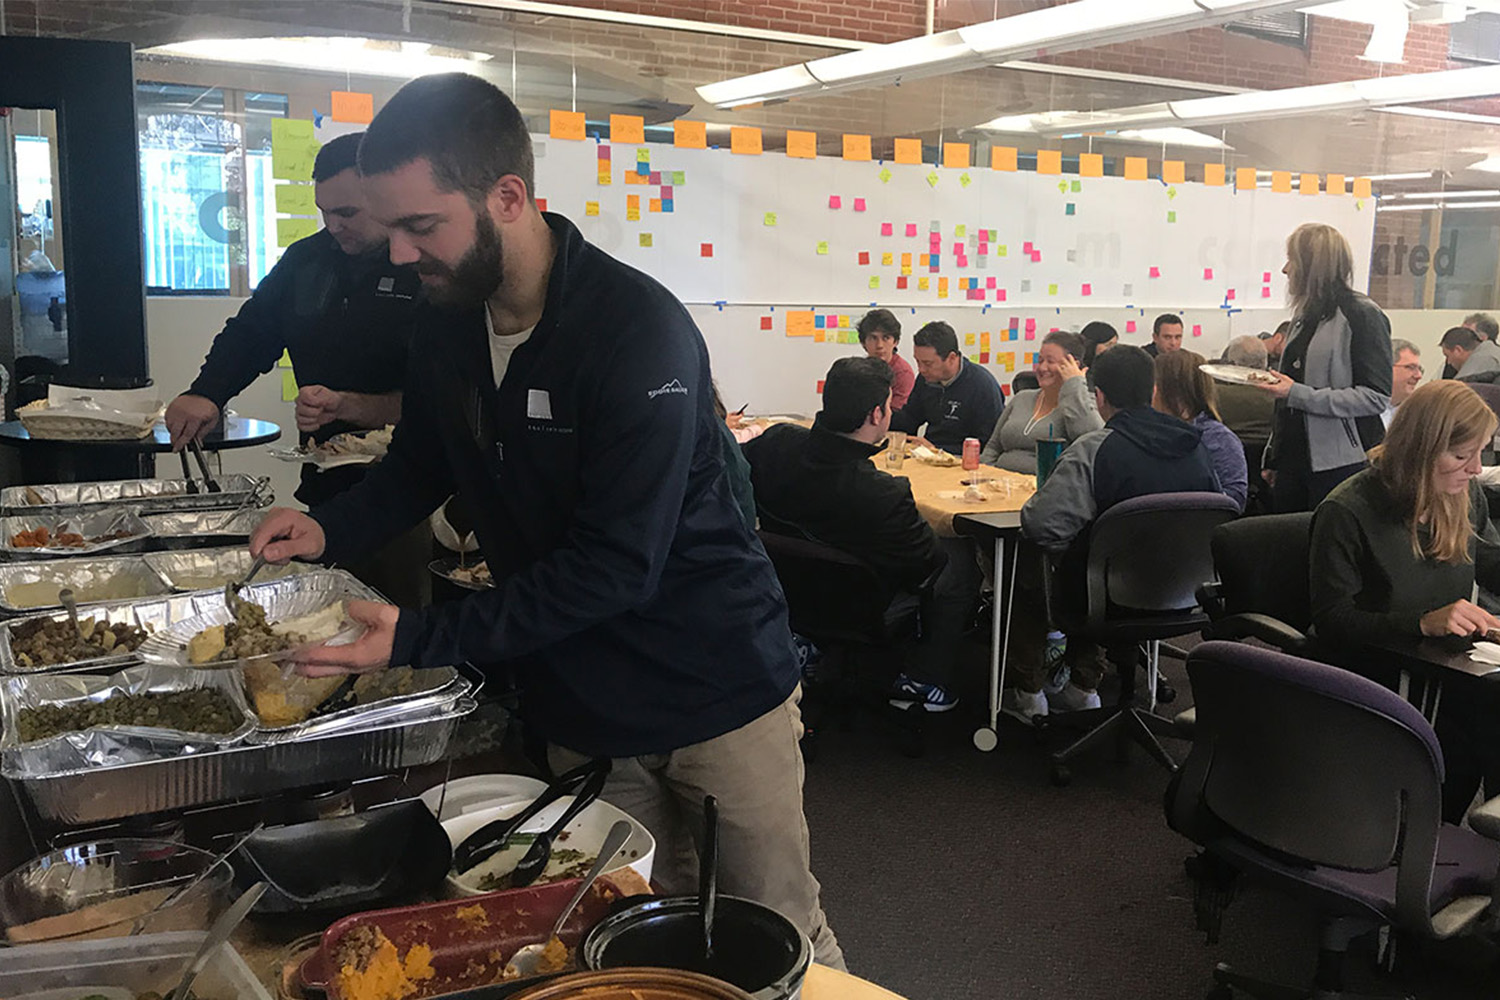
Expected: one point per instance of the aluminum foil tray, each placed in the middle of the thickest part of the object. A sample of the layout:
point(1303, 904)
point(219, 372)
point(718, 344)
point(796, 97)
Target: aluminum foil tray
point(191, 529)
point(149, 495)
point(108, 746)
point(158, 613)
point(434, 689)
point(210, 569)
point(84, 521)
point(30, 587)
point(97, 795)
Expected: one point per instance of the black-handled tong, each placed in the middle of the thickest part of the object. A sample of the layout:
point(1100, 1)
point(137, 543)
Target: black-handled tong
point(208, 477)
point(187, 473)
point(490, 838)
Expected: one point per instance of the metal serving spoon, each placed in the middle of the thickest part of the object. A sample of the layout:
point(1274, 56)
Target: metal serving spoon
point(524, 962)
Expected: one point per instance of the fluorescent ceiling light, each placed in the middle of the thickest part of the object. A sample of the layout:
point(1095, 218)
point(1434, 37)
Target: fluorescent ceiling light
point(1430, 195)
point(1418, 175)
point(1169, 136)
point(1083, 24)
point(1433, 206)
point(1490, 165)
point(363, 56)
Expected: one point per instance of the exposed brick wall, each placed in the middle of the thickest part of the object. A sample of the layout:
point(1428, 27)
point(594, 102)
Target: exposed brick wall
point(860, 20)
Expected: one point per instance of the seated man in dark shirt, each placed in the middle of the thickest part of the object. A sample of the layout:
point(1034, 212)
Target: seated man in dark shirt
point(820, 484)
point(954, 398)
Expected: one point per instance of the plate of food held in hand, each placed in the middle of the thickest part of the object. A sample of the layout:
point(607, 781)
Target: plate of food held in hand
point(275, 621)
point(351, 448)
point(1239, 375)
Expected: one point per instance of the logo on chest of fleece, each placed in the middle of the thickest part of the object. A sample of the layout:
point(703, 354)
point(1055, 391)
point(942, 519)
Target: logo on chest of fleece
point(673, 387)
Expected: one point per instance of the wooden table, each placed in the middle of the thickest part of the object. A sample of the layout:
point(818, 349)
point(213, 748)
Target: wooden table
point(823, 983)
point(936, 490)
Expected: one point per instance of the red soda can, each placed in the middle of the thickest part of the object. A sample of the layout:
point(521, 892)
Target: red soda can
point(971, 454)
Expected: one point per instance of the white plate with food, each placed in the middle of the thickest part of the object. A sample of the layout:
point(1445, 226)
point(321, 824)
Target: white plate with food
point(469, 574)
point(351, 448)
point(934, 456)
point(1239, 375)
point(287, 622)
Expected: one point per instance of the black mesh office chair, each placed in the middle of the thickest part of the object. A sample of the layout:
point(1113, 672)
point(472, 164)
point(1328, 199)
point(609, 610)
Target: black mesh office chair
point(1260, 590)
point(1337, 802)
point(1145, 561)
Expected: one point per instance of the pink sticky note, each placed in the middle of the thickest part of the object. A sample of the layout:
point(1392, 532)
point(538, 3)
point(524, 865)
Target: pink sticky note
point(1030, 334)
point(1265, 293)
point(886, 229)
point(976, 293)
point(1130, 326)
point(1265, 276)
point(832, 321)
point(958, 249)
point(1030, 326)
point(1026, 248)
point(984, 249)
point(1197, 330)
point(1208, 274)
point(911, 229)
point(1036, 256)
point(834, 201)
point(989, 282)
point(666, 192)
point(1229, 295)
point(859, 204)
point(1088, 289)
point(999, 295)
point(1155, 272)
point(963, 262)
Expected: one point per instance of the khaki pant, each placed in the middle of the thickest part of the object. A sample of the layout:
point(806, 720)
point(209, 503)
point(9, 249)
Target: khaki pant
point(755, 772)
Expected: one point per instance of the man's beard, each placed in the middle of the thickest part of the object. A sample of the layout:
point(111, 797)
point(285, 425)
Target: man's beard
point(477, 274)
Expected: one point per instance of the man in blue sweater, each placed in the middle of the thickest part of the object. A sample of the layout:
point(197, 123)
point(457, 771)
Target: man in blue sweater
point(567, 399)
point(953, 397)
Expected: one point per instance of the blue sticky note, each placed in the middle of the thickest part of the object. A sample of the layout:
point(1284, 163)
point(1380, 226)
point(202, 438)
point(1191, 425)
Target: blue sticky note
point(666, 205)
point(1070, 208)
point(818, 323)
point(644, 169)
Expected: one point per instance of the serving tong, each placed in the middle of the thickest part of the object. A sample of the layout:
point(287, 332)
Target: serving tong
point(486, 841)
point(209, 482)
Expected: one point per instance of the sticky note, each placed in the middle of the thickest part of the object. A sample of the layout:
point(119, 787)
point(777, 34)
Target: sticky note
point(1128, 290)
point(288, 386)
point(1087, 289)
point(1003, 158)
point(1229, 295)
point(1069, 210)
point(803, 145)
point(770, 219)
point(1281, 181)
point(1334, 184)
point(964, 180)
point(799, 323)
point(820, 322)
point(822, 247)
point(1197, 330)
point(859, 204)
point(690, 135)
point(886, 229)
point(874, 281)
point(591, 208)
point(1171, 216)
point(655, 176)
point(352, 106)
point(1030, 326)
point(1051, 289)
point(942, 288)
point(922, 284)
point(744, 140)
point(834, 201)
point(541, 204)
point(956, 155)
point(1155, 272)
point(975, 294)
point(906, 260)
point(911, 229)
point(1075, 187)
point(566, 125)
point(1265, 292)
point(1002, 250)
point(285, 361)
point(1173, 171)
point(1361, 187)
point(932, 178)
point(1090, 165)
point(765, 322)
point(296, 199)
point(627, 128)
point(999, 295)
point(968, 340)
point(1208, 274)
point(884, 175)
point(864, 257)
point(1135, 168)
point(1049, 161)
point(901, 281)
point(1213, 174)
point(908, 151)
point(1130, 326)
point(645, 239)
point(1265, 276)
point(886, 259)
point(1026, 248)
point(705, 249)
point(293, 149)
point(654, 205)
point(289, 231)
point(1308, 184)
point(643, 156)
point(1025, 284)
point(1036, 256)
point(856, 147)
point(1244, 179)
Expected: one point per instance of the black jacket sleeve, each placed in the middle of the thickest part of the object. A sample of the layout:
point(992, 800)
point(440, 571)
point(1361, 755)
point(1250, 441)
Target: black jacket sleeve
point(913, 415)
point(1338, 550)
point(253, 339)
point(903, 547)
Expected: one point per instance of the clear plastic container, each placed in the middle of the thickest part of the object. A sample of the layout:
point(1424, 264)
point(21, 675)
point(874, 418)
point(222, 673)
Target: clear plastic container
point(148, 962)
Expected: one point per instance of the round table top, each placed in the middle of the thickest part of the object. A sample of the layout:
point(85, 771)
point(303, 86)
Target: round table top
point(237, 432)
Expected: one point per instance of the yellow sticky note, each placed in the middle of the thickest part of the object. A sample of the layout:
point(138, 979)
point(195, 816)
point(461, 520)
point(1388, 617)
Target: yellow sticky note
point(352, 106)
point(932, 178)
point(843, 321)
point(296, 199)
point(956, 155)
point(799, 323)
point(627, 128)
point(690, 135)
point(1051, 289)
point(566, 125)
point(886, 259)
point(857, 147)
point(645, 239)
point(285, 361)
point(1308, 184)
point(1213, 174)
point(960, 231)
point(1244, 179)
point(770, 219)
point(908, 150)
point(643, 155)
point(744, 140)
point(288, 386)
point(922, 284)
point(874, 281)
point(1090, 165)
point(822, 247)
point(1049, 161)
point(968, 340)
point(1135, 168)
point(591, 208)
point(803, 145)
point(1003, 158)
point(1281, 181)
point(289, 231)
point(1361, 187)
point(293, 149)
point(1174, 171)
point(1335, 184)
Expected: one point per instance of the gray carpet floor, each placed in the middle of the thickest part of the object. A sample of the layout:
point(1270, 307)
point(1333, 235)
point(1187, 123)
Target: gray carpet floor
point(964, 875)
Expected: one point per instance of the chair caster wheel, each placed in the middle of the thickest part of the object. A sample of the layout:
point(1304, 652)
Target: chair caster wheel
point(1062, 775)
point(1165, 693)
point(986, 739)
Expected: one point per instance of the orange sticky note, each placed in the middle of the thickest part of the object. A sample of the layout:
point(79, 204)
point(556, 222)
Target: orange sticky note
point(744, 140)
point(908, 150)
point(566, 125)
point(1281, 181)
point(1361, 187)
point(690, 135)
point(627, 128)
point(654, 205)
point(1213, 174)
point(351, 106)
point(857, 147)
point(1090, 165)
point(1002, 158)
point(1308, 184)
point(803, 145)
point(1335, 184)
point(1135, 168)
point(956, 155)
point(1244, 179)
point(799, 323)
point(1173, 171)
point(1049, 161)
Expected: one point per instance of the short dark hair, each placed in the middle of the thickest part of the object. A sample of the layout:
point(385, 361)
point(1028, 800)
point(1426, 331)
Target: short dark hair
point(1485, 325)
point(1282, 328)
point(1126, 375)
point(1460, 336)
point(1165, 319)
point(879, 321)
point(1094, 335)
point(337, 155)
point(939, 336)
point(852, 388)
point(1070, 342)
point(467, 128)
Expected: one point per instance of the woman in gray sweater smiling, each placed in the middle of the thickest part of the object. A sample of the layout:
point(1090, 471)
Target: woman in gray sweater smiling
point(1061, 408)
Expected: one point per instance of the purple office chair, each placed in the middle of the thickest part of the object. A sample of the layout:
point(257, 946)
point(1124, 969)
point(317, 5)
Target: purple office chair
point(1146, 558)
point(1328, 787)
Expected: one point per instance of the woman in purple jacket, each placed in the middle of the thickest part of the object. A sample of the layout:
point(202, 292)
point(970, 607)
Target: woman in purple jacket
point(1185, 391)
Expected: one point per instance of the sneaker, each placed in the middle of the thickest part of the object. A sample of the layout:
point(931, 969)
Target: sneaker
point(1023, 705)
point(1073, 698)
point(933, 697)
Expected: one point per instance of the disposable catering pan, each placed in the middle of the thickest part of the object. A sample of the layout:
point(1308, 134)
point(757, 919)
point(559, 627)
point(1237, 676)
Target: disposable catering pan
point(431, 688)
point(148, 495)
point(191, 529)
point(210, 569)
point(29, 587)
point(103, 529)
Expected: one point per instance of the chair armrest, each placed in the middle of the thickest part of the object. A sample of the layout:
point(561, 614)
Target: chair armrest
point(1485, 819)
point(1211, 599)
point(1252, 626)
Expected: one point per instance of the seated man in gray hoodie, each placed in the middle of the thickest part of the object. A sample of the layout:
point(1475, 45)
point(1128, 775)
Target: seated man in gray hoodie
point(1469, 354)
point(1138, 452)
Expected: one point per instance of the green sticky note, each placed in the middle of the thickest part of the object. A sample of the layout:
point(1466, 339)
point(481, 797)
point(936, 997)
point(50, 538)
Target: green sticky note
point(960, 231)
point(288, 386)
point(285, 361)
point(823, 247)
point(1051, 289)
point(932, 178)
point(770, 218)
point(1069, 210)
point(289, 231)
point(874, 281)
point(1077, 186)
point(1002, 250)
point(964, 180)
point(1171, 216)
point(994, 235)
point(296, 199)
point(1062, 186)
point(1171, 193)
point(643, 155)
point(679, 177)
point(645, 239)
point(293, 149)
point(884, 175)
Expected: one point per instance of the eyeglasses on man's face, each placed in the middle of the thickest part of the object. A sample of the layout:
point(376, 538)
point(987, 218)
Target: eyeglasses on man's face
point(1413, 367)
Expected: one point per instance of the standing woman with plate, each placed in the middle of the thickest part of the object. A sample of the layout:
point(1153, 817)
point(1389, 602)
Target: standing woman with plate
point(1335, 378)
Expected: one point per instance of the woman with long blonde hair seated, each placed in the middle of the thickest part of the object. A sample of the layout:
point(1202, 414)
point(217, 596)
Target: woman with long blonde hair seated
point(1397, 550)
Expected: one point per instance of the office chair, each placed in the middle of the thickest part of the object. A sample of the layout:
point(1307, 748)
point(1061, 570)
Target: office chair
point(840, 603)
point(1337, 802)
point(1144, 561)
